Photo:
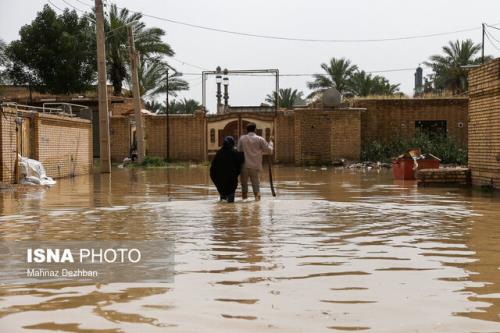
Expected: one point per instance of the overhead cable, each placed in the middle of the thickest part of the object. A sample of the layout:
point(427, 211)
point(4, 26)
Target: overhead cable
point(313, 40)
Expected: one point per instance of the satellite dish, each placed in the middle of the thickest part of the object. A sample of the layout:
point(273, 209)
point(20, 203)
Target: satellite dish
point(331, 97)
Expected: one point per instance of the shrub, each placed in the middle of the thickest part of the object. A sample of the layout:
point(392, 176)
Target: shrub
point(151, 161)
point(443, 147)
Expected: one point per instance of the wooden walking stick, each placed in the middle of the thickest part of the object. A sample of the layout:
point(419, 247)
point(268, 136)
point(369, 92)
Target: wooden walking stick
point(269, 160)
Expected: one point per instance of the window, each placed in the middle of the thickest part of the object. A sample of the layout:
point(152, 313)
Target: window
point(432, 127)
point(212, 135)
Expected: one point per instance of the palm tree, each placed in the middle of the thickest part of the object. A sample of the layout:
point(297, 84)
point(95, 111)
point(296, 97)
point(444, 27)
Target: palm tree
point(184, 106)
point(363, 84)
point(448, 71)
point(382, 86)
point(153, 78)
point(360, 84)
point(147, 41)
point(188, 106)
point(287, 98)
point(154, 106)
point(338, 74)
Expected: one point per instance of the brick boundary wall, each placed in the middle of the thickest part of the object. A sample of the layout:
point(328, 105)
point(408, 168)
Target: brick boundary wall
point(346, 134)
point(305, 136)
point(7, 145)
point(187, 136)
point(119, 136)
point(285, 137)
point(62, 144)
point(324, 136)
point(484, 124)
point(387, 119)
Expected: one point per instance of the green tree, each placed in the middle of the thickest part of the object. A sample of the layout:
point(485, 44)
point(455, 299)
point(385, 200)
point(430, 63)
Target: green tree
point(183, 106)
point(447, 67)
point(363, 84)
point(56, 53)
point(338, 74)
point(154, 106)
point(3, 57)
point(188, 106)
point(153, 78)
point(287, 99)
point(3, 62)
point(147, 41)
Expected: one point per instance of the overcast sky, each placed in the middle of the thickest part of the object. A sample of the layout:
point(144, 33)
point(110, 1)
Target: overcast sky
point(311, 19)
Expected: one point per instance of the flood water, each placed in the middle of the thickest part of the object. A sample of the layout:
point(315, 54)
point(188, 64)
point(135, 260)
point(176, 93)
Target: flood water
point(337, 250)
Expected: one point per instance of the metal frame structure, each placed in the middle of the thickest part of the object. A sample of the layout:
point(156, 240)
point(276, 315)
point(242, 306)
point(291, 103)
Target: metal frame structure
point(276, 72)
point(64, 107)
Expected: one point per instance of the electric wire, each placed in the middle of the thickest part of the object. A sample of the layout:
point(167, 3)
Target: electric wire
point(492, 36)
point(274, 37)
point(83, 3)
point(189, 64)
point(109, 33)
point(307, 74)
point(75, 8)
point(487, 34)
point(53, 5)
point(492, 26)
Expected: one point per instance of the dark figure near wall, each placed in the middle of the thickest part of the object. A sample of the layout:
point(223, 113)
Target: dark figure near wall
point(225, 169)
point(133, 150)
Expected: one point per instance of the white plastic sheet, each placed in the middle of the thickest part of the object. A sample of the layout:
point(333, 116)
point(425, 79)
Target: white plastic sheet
point(33, 172)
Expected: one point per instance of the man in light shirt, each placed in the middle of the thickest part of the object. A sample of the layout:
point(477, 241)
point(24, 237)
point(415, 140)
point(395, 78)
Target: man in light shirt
point(253, 146)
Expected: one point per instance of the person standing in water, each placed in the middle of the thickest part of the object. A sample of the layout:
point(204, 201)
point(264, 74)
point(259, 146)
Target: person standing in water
point(253, 146)
point(225, 169)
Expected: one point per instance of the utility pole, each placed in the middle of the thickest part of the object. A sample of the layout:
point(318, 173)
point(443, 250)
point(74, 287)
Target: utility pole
point(482, 45)
point(167, 124)
point(104, 146)
point(139, 129)
point(277, 85)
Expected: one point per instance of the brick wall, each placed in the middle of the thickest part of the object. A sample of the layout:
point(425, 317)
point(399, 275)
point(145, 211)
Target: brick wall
point(323, 136)
point(187, 136)
point(312, 136)
point(7, 145)
point(386, 119)
point(119, 136)
point(306, 136)
point(122, 106)
point(285, 137)
point(62, 144)
point(346, 134)
point(484, 124)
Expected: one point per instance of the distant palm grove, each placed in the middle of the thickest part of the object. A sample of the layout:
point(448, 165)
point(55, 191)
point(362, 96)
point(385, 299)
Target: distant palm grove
point(55, 53)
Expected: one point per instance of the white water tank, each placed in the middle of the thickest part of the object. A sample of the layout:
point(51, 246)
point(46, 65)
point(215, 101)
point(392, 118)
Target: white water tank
point(331, 97)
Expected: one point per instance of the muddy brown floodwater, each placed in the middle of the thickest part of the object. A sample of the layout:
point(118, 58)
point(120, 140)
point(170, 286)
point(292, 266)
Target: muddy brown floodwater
point(335, 251)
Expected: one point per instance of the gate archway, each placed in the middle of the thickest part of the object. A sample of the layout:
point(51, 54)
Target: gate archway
point(234, 125)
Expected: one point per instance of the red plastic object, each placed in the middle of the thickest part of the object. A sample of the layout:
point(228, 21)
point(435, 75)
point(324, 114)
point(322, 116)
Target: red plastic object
point(402, 168)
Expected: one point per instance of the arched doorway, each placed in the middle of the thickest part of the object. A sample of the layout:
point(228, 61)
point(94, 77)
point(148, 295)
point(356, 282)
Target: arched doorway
point(235, 130)
point(231, 129)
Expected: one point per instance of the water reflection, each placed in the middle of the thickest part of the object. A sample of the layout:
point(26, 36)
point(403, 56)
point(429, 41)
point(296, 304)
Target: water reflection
point(336, 251)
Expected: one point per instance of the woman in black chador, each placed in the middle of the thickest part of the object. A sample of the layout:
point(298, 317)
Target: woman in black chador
point(225, 169)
